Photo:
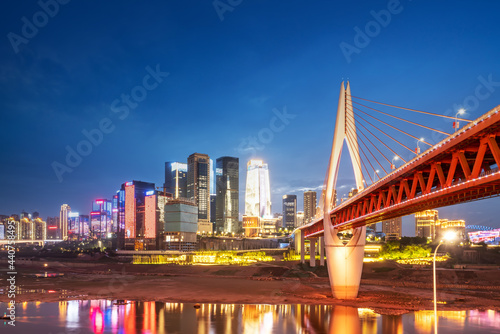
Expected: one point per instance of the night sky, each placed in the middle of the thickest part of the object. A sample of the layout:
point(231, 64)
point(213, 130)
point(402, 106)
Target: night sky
point(164, 79)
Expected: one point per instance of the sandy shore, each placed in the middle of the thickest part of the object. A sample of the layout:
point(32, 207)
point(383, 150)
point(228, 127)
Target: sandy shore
point(396, 291)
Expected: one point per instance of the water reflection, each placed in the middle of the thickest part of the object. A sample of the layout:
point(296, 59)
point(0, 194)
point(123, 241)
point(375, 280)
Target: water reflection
point(129, 317)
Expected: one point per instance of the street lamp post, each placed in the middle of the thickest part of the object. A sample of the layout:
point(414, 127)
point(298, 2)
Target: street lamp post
point(392, 162)
point(456, 123)
point(417, 150)
point(375, 173)
point(447, 237)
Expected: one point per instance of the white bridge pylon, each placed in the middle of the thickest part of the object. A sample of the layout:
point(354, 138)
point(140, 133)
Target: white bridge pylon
point(345, 262)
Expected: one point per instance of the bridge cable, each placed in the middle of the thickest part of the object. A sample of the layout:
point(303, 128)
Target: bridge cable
point(390, 149)
point(404, 120)
point(395, 128)
point(362, 151)
point(383, 155)
point(409, 149)
point(414, 110)
point(362, 142)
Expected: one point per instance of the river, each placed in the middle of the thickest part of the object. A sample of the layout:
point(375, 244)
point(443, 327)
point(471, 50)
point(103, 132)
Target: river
point(128, 317)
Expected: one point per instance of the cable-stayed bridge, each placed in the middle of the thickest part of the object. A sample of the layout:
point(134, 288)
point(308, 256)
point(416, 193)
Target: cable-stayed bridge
point(460, 168)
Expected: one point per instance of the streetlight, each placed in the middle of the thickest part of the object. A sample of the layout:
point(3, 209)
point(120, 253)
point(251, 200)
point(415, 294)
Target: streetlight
point(417, 150)
point(456, 123)
point(392, 162)
point(375, 173)
point(447, 237)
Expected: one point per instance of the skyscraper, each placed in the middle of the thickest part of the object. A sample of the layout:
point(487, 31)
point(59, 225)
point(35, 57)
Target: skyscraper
point(227, 201)
point(132, 201)
point(258, 190)
point(176, 179)
point(289, 211)
point(198, 188)
point(309, 206)
point(63, 221)
point(392, 228)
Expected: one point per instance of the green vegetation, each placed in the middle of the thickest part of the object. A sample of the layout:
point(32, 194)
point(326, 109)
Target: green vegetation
point(396, 250)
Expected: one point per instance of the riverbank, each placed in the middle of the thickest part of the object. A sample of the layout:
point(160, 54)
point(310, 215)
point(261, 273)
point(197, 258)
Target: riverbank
point(386, 287)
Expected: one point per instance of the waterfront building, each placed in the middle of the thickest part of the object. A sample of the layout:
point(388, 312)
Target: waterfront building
point(198, 188)
point(101, 220)
point(40, 229)
point(63, 221)
point(131, 213)
point(425, 224)
point(227, 190)
point(289, 211)
point(180, 225)
point(27, 228)
point(176, 179)
point(258, 190)
point(392, 228)
point(309, 206)
point(53, 228)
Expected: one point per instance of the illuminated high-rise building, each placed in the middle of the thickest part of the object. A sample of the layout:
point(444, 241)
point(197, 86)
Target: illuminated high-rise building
point(176, 179)
point(392, 228)
point(52, 227)
point(63, 221)
point(309, 206)
point(289, 211)
point(40, 229)
point(115, 212)
point(258, 190)
point(132, 213)
point(198, 188)
point(101, 221)
point(227, 202)
point(425, 224)
point(455, 226)
point(180, 225)
point(74, 226)
point(27, 228)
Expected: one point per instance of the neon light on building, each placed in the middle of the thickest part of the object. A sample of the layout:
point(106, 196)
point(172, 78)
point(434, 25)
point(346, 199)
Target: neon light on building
point(150, 217)
point(130, 210)
point(489, 237)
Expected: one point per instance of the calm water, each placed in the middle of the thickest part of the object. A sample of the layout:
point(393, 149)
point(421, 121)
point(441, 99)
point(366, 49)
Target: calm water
point(102, 316)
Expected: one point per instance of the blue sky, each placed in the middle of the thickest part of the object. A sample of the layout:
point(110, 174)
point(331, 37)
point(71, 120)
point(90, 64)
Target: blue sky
point(227, 79)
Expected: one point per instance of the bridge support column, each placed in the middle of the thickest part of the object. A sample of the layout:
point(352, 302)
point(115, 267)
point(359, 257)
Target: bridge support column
point(312, 252)
point(302, 247)
point(345, 262)
point(321, 246)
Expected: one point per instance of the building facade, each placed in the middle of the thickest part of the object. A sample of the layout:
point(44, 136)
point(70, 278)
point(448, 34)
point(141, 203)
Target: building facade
point(101, 218)
point(289, 212)
point(309, 206)
point(392, 228)
point(227, 189)
point(425, 224)
point(198, 188)
point(63, 221)
point(176, 179)
point(132, 214)
point(180, 225)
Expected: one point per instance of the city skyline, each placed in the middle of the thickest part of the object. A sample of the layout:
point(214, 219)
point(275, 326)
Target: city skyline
point(263, 89)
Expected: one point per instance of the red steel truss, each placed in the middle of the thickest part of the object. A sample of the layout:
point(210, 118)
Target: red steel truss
point(463, 167)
